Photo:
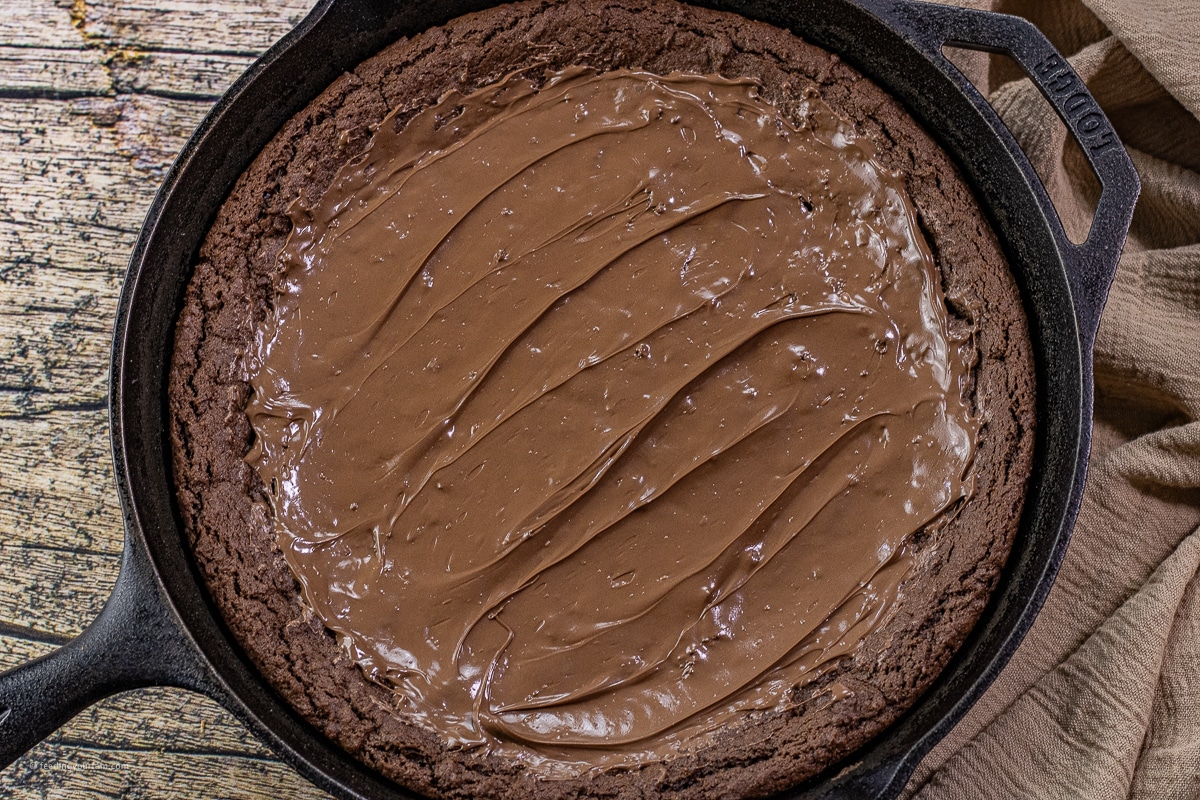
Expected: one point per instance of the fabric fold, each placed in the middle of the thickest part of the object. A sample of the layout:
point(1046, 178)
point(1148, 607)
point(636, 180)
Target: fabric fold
point(1102, 700)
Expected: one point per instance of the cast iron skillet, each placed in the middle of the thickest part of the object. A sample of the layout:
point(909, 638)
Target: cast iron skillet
point(159, 627)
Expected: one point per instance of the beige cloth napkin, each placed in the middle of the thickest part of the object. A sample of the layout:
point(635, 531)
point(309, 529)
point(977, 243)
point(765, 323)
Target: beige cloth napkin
point(1102, 700)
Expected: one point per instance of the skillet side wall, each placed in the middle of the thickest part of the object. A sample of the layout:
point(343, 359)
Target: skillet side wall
point(246, 574)
point(162, 263)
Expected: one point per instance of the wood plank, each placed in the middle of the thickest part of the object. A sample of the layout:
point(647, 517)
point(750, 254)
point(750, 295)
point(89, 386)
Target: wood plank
point(95, 101)
point(150, 132)
point(203, 76)
point(238, 27)
point(66, 350)
point(58, 593)
point(54, 771)
point(16, 648)
point(242, 27)
point(89, 161)
point(51, 71)
point(57, 298)
point(74, 247)
point(63, 73)
point(76, 177)
point(74, 263)
point(56, 488)
point(148, 719)
point(39, 23)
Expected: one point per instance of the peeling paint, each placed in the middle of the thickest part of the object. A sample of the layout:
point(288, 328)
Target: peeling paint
point(116, 57)
point(125, 56)
point(79, 17)
point(83, 170)
point(151, 131)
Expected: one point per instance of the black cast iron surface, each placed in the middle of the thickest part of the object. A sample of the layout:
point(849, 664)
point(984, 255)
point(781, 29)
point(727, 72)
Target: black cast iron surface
point(159, 628)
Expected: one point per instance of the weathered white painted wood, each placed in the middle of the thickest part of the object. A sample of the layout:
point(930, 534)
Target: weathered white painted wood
point(71, 772)
point(56, 491)
point(96, 98)
point(38, 23)
point(194, 26)
point(51, 71)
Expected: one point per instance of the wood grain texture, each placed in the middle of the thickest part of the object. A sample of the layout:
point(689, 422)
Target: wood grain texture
point(96, 98)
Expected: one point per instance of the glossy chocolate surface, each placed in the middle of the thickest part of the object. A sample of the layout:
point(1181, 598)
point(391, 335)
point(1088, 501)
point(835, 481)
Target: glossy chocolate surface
point(596, 415)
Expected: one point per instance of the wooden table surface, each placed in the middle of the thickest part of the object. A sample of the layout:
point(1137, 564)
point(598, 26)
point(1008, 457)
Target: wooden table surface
point(96, 98)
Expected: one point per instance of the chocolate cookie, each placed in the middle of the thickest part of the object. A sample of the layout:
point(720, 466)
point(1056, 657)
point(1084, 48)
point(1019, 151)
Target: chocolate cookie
point(934, 579)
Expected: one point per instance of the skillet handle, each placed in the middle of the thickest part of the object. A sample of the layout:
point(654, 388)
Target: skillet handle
point(1092, 265)
point(136, 641)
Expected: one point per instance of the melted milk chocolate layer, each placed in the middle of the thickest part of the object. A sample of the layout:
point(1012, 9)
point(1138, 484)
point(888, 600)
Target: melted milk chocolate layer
point(595, 417)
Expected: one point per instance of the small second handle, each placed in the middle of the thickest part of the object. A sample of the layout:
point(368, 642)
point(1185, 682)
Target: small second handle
point(1091, 265)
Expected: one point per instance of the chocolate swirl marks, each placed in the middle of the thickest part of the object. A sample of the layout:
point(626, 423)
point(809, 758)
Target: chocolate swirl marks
point(595, 412)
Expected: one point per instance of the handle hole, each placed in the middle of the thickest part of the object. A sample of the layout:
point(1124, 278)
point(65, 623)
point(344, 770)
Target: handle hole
point(1054, 153)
